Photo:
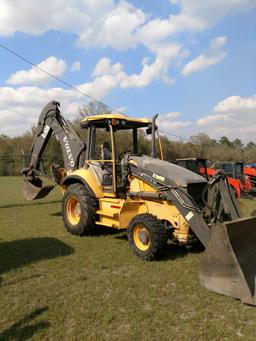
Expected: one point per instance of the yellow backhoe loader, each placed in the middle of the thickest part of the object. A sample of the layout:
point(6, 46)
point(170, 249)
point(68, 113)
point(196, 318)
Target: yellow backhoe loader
point(151, 198)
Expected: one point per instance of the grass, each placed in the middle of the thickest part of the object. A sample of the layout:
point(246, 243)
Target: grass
point(55, 286)
point(11, 189)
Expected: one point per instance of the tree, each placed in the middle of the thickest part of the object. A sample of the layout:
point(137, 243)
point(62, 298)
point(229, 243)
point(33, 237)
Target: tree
point(94, 108)
point(225, 141)
point(204, 142)
point(250, 145)
point(237, 143)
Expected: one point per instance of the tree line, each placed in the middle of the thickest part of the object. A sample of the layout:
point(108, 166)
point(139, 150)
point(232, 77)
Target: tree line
point(14, 151)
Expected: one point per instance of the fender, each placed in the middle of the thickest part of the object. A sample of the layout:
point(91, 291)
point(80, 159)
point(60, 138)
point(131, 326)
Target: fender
point(87, 178)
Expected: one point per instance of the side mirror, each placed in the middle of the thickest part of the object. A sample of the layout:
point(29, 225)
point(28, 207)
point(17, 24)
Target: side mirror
point(149, 130)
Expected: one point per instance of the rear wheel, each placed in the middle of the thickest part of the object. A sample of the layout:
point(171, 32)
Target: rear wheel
point(147, 236)
point(79, 210)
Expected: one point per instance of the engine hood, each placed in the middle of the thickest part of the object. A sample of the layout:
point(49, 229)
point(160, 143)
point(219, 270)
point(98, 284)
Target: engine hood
point(164, 171)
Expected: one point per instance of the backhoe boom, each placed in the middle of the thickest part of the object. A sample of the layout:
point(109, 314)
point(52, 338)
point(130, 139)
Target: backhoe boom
point(52, 123)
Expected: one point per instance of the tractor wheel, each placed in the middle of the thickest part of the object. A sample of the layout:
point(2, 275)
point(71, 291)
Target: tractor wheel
point(79, 210)
point(147, 236)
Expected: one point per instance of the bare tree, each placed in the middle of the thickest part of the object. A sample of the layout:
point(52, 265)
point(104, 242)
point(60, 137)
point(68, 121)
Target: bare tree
point(94, 108)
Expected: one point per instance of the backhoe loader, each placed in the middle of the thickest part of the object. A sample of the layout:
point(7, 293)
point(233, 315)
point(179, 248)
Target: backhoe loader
point(150, 197)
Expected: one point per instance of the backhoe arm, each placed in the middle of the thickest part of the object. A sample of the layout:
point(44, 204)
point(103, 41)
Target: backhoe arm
point(52, 123)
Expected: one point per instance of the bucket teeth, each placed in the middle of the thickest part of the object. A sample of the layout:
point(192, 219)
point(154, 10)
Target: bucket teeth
point(34, 189)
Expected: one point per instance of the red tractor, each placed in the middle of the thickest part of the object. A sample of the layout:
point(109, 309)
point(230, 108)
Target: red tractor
point(250, 171)
point(201, 166)
point(235, 170)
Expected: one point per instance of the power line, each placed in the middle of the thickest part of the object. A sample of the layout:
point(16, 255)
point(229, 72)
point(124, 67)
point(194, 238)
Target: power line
point(71, 86)
point(170, 134)
point(55, 77)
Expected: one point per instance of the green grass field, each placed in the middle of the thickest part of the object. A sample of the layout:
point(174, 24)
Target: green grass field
point(55, 286)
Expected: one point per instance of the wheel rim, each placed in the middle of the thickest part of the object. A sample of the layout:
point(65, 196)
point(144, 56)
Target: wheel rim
point(73, 210)
point(141, 237)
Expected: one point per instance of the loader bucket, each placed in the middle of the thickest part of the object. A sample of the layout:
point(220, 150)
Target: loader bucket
point(228, 265)
point(34, 189)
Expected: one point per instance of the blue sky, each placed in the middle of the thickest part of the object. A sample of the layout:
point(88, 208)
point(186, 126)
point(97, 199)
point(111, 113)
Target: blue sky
point(193, 62)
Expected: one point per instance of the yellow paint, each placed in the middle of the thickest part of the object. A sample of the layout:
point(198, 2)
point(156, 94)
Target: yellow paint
point(137, 185)
point(109, 216)
point(124, 210)
point(113, 157)
point(160, 146)
point(138, 230)
point(91, 179)
point(117, 213)
point(117, 117)
point(73, 210)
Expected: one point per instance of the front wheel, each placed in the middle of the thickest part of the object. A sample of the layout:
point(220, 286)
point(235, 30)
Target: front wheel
point(147, 236)
point(78, 210)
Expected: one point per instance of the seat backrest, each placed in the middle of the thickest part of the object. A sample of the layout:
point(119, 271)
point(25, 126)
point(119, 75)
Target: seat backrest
point(102, 173)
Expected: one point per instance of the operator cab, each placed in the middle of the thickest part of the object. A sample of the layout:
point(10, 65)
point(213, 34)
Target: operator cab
point(196, 165)
point(233, 170)
point(106, 148)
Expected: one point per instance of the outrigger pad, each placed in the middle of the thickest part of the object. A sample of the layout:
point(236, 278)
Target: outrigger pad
point(34, 189)
point(228, 265)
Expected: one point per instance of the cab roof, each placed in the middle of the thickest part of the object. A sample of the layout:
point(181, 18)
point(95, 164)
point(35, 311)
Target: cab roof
point(119, 120)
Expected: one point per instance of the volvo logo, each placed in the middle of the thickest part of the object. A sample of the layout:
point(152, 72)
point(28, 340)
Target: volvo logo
point(68, 151)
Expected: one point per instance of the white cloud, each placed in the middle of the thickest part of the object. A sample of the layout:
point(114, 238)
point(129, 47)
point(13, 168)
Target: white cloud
point(28, 17)
point(202, 62)
point(107, 23)
point(76, 66)
point(211, 119)
point(234, 117)
point(217, 43)
point(158, 69)
point(208, 12)
point(20, 108)
point(236, 104)
point(168, 123)
point(118, 28)
point(52, 65)
point(104, 66)
point(213, 56)
point(165, 54)
point(172, 114)
point(29, 100)
point(121, 25)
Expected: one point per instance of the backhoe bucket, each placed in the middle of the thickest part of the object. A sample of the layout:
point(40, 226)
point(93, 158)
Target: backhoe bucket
point(34, 189)
point(228, 265)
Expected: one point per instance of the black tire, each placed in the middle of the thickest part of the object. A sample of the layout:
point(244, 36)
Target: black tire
point(76, 198)
point(147, 236)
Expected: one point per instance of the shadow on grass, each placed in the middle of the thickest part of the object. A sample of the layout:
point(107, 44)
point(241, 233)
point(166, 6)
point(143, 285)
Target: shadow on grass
point(23, 329)
point(106, 231)
point(17, 253)
point(56, 214)
point(15, 282)
point(173, 251)
point(122, 236)
point(30, 203)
